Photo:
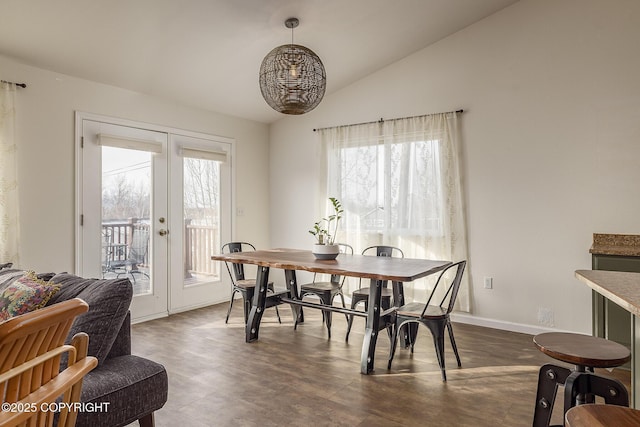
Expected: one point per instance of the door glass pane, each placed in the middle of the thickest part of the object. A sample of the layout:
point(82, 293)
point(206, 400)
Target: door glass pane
point(201, 201)
point(126, 209)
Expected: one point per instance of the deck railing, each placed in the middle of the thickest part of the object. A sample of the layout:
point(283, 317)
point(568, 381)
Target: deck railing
point(200, 242)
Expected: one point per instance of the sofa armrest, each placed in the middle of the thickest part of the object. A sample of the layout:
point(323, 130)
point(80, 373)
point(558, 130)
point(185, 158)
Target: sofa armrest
point(122, 344)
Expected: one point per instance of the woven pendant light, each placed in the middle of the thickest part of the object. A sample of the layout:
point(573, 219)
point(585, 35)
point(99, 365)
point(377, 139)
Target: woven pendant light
point(292, 77)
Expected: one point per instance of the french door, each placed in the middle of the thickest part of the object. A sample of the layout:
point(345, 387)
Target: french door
point(153, 206)
point(200, 187)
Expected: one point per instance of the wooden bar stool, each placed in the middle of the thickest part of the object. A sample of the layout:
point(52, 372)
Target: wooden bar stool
point(602, 416)
point(581, 385)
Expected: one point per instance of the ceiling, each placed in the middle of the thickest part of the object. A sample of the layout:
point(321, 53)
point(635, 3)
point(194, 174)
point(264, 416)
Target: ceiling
point(207, 53)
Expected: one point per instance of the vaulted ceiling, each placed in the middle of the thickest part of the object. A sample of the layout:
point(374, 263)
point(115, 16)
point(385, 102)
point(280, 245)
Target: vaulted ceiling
point(207, 53)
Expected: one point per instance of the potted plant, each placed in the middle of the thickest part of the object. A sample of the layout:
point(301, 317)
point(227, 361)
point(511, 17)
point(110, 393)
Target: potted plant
point(325, 232)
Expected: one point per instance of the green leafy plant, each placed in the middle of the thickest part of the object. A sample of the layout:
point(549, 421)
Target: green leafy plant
point(326, 229)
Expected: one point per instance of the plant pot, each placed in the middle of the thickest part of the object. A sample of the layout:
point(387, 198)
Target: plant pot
point(325, 251)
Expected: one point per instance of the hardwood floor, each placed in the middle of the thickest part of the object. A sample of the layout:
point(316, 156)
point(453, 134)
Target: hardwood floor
point(299, 378)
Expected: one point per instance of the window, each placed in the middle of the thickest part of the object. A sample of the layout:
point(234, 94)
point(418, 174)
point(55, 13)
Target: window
point(392, 187)
point(399, 184)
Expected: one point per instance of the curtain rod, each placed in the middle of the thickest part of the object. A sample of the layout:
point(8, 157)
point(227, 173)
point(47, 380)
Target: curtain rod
point(22, 85)
point(382, 120)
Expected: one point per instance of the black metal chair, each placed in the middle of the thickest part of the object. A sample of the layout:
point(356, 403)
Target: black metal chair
point(136, 255)
point(327, 291)
point(239, 284)
point(434, 317)
point(362, 294)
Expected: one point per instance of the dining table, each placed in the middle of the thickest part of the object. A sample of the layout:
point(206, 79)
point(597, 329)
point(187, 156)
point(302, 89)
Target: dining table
point(380, 271)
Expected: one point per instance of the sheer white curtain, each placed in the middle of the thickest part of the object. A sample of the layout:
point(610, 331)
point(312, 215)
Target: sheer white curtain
point(399, 183)
point(8, 177)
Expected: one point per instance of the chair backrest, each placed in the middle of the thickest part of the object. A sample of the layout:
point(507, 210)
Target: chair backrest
point(343, 248)
point(107, 237)
point(107, 240)
point(452, 290)
point(381, 250)
point(31, 349)
point(238, 269)
point(139, 245)
point(384, 251)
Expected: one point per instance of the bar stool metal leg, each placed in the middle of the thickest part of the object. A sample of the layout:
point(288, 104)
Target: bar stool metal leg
point(549, 377)
point(589, 384)
point(581, 385)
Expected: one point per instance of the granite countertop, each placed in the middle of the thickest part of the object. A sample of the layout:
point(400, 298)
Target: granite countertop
point(616, 244)
point(621, 287)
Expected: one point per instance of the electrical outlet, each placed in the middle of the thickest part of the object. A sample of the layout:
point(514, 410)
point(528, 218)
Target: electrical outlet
point(488, 282)
point(545, 316)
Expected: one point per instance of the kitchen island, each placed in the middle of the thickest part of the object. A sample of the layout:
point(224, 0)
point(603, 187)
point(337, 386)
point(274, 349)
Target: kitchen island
point(622, 288)
point(613, 252)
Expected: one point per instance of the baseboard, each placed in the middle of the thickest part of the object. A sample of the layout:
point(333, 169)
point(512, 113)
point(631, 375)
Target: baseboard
point(501, 324)
point(196, 306)
point(147, 318)
point(176, 311)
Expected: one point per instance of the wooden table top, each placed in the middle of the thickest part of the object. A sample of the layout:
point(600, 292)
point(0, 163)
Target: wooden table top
point(602, 416)
point(621, 287)
point(368, 267)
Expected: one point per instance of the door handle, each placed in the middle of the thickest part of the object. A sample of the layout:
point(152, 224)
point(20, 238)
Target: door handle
point(163, 232)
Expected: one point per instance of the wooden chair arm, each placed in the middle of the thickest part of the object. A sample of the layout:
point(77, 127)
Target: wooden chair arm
point(49, 392)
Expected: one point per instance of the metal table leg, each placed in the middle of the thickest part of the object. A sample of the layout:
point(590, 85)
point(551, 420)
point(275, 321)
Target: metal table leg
point(371, 331)
point(635, 361)
point(292, 287)
point(259, 302)
point(247, 303)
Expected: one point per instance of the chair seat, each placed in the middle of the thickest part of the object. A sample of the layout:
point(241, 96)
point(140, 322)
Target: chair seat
point(385, 292)
point(320, 287)
point(250, 283)
point(599, 415)
point(583, 350)
point(326, 291)
point(414, 309)
point(362, 295)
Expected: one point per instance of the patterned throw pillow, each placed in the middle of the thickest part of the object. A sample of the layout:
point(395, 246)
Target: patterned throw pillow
point(28, 293)
point(8, 276)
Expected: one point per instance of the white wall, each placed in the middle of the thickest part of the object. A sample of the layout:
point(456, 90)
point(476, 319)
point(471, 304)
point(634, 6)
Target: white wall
point(551, 142)
point(46, 157)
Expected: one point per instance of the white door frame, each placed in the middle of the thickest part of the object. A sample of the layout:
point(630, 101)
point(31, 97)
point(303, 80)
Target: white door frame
point(183, 306)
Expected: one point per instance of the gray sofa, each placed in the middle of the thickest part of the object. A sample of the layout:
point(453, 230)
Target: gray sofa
point(131, 386)
point(123, 388)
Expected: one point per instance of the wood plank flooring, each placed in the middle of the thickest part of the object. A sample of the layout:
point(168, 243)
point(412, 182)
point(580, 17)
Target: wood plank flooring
point(301, 378)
